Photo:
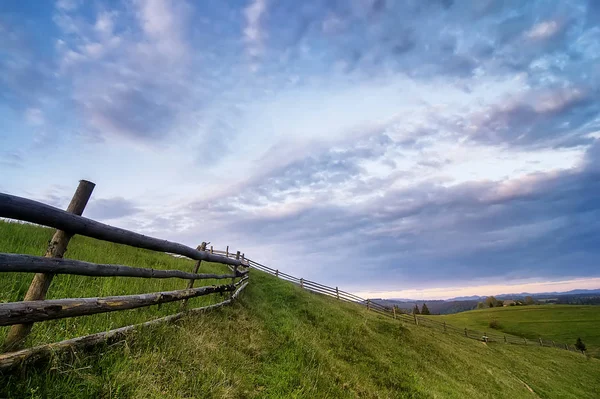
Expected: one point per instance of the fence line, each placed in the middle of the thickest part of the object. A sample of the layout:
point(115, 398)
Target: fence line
point(35, 308)
point(411, 318)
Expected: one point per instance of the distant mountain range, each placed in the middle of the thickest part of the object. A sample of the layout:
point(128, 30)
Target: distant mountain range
point(464, 303)
point(524, 294)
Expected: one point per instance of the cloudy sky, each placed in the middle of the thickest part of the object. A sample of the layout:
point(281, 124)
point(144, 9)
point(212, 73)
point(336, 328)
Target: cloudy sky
point(393, 148)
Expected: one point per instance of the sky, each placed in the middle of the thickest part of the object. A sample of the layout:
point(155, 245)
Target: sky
point(391, 148)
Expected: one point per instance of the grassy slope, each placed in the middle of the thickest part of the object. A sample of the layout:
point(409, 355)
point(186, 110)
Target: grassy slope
point(281, 341)
point(562, 323)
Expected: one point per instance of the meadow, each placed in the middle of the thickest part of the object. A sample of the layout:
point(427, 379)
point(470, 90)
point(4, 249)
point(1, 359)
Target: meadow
point(562, 323)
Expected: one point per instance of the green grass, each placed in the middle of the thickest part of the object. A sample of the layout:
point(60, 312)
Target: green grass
point(279, 341)
point(562, 323)
point(28, 239)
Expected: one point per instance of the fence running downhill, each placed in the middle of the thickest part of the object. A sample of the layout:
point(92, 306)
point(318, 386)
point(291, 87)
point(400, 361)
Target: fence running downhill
point(395, 313)
point(35, 308)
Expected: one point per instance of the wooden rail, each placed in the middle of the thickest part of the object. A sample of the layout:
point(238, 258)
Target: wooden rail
point(34, 311)
point(27, 210)
point(38, 264)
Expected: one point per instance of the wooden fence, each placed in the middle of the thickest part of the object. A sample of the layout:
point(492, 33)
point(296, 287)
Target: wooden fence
point(419, 320)
point(35, 308)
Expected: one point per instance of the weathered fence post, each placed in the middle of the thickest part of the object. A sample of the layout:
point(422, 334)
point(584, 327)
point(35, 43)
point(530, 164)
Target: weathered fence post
point(56, 249)
point(227, 252)
point(394, 310)
point(277, 273)
point(416, 318)
point(525, 340)
point(337, 293)
point(235, 271)
point(505, 339)
point(554, 346)
point(301, 282)
point(566, 347)
point(466, 335)
point(201, 247)
point(368, 304)
point(211, 249)
point(541, 342)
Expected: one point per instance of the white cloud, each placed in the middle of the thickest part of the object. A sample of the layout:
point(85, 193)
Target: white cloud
point(254, 33)
point(35, 117)
point(543, 30)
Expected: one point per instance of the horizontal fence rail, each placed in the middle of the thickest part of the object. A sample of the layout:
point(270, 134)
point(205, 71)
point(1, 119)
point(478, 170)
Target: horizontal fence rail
point(27, 210)
point(38, 264)
point(34, 311)
point(22, 315)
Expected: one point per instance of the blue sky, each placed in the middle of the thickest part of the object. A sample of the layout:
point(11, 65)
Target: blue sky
point(393, 148)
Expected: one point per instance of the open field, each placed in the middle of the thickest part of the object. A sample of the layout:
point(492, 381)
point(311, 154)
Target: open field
point(276, 341)
point(562, 323)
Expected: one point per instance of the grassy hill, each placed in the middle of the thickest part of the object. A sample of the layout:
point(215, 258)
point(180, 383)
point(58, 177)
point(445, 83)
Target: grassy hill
point(276, 341)
point(562, 323)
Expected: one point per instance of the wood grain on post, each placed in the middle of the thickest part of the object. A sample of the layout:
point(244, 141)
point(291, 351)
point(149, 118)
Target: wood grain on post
point(235, 272)
point(201, 247)
point(56, 249)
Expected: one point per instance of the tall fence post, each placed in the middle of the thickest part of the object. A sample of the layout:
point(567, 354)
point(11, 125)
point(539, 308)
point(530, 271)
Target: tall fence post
point(416, 318)
point(337, 293)
point(277, 273)
point(541, 342)
point(211, 249)
point(235, 271)
point(190, 284)
point(301, 282)
point(227, 252)
point(56, 249)
point(394, 310)
point(368, 304)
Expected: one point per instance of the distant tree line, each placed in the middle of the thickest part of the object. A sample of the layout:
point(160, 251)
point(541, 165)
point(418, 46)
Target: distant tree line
point(492, 302)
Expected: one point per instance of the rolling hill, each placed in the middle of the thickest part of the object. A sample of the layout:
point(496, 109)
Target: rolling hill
point(276, 341)
point(563, 323)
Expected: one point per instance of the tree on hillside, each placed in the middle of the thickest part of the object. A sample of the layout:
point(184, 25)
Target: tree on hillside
point(499, 303)
point(491, 301)
point(529, 300)
point(580, 345)
point(425, 309)
point(480, 305)
point(416, 309)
